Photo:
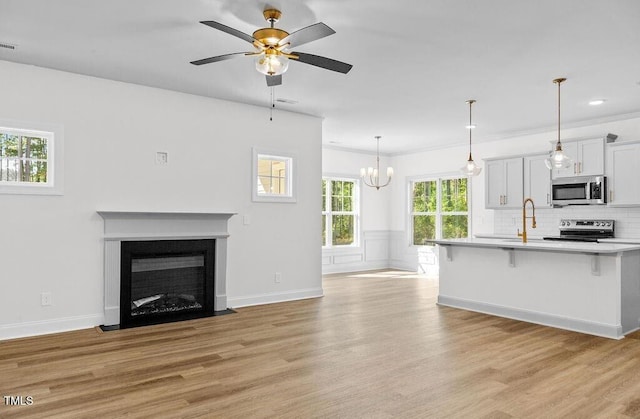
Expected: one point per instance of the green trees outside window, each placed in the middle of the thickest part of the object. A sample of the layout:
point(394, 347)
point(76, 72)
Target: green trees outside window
point(23, 158)
point(439, 208)
point(339, 212)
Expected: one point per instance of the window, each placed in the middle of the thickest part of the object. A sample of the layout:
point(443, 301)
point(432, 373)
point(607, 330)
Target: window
point(28, 158)
point(273, 179)
point(339, 212)
point(23, 157)
point(439, 209)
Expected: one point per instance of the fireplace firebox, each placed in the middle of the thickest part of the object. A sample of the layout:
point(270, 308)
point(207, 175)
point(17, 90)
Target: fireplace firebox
point(166, 280)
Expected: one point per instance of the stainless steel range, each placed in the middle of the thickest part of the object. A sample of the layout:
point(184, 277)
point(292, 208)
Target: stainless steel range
point(584, 230)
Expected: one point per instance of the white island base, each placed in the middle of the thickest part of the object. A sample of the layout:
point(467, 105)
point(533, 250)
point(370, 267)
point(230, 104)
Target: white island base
point(589, 288)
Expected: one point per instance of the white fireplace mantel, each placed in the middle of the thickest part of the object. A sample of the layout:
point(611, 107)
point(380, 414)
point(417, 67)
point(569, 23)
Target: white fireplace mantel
point(122, 226)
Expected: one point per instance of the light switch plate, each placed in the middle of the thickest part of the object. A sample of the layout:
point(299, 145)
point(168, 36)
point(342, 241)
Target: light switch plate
point(162, 157)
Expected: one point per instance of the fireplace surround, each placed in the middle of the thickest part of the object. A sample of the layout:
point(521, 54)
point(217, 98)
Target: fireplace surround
point(163, 243)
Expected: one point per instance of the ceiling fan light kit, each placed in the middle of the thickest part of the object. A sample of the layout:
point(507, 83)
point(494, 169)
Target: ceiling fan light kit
point(272, 47)
point(272, 65)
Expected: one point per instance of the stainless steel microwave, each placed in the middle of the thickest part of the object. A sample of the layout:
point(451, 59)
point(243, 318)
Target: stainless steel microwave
point(579, 190)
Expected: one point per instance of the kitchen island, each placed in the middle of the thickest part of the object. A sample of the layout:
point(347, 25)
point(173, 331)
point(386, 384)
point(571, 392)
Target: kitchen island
point(591, 288)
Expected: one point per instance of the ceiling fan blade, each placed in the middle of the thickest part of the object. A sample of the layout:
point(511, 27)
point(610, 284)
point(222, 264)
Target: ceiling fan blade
point(308, 34)
point(274, 80)
point(218, 58)
point(323, 62)
point(229, 30)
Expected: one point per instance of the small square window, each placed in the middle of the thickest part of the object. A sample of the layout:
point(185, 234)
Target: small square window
point(273, 176)
point(30, 159)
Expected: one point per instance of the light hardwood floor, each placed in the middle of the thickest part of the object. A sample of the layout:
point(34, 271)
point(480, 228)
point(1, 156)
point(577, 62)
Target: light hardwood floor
point(375, 346)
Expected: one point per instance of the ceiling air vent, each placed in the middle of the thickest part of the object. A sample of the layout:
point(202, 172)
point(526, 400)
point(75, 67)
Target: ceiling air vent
point(289, 101)
point(7, 46)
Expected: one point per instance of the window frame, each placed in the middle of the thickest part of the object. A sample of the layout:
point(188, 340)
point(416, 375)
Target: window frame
point(328, 212)
point(55, 149)
point(438, 178)
point(290, 176)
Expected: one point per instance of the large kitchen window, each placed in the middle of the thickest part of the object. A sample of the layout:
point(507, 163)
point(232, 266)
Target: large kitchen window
point(340, 209)
point(439, 209)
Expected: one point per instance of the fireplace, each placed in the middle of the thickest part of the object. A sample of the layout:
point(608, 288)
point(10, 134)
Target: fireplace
point(164, 266)
point(166, 280)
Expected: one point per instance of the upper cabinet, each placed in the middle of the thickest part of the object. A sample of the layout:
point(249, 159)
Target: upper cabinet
point(504, 183)
point(587, 156)
point(537, 180)
point(623, 161)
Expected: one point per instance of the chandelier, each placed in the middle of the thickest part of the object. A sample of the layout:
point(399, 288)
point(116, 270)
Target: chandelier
point(371, 176)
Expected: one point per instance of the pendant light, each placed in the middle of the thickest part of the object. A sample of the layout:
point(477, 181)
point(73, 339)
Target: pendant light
point(558, 159)
point(373, 174)
point(471, 168)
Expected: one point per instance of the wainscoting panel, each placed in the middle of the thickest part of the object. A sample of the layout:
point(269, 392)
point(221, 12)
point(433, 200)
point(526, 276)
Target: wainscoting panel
point(379, 249)
point(376, 246)
point(341, 259)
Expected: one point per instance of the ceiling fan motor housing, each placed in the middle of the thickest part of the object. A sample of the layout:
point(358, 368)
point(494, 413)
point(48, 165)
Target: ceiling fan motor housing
point(270, 36)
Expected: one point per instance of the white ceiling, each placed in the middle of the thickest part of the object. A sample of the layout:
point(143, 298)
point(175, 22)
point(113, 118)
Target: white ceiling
point(415, 62)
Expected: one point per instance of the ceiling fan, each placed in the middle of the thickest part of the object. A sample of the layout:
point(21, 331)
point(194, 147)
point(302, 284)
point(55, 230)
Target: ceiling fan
point(272, 47)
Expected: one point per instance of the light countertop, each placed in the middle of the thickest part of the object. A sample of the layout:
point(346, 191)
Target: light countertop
point(620, 240)
point(542, 245)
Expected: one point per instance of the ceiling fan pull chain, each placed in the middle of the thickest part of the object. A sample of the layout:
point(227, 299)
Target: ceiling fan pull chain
point(273, 105)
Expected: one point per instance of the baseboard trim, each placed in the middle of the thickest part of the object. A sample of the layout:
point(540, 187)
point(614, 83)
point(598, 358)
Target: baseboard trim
point(45, 327)
point(274, 297)
point(354, 267)
point(567, 323)
point(404, 265)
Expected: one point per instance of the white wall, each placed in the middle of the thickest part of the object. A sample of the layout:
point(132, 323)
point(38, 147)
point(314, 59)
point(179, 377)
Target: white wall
point(112, 131)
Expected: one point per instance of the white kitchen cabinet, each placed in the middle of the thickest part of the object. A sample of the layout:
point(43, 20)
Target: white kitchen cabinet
point(587, 156)
point(537, 180)
point(503, 183)
point(623, 162)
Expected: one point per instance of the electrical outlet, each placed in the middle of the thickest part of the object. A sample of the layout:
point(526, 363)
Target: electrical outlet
point(246, 220)
point(46, 299)
point(277, 277)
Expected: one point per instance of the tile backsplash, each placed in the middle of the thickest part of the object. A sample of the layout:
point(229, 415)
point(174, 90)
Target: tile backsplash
point(548, 219)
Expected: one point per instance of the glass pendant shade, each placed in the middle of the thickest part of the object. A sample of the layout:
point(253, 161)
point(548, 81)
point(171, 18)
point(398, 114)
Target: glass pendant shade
point(471, 168)
point(272, 64)
point(558, 159)
point(371, 176)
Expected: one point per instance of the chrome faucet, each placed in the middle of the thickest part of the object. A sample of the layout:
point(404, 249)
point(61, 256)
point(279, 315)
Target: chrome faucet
point(524, 219)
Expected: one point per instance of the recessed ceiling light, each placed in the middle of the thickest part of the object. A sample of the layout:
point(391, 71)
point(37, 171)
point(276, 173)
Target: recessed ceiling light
point(596, 102)
point(334, 142)
point(472, 126)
